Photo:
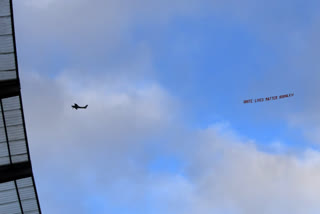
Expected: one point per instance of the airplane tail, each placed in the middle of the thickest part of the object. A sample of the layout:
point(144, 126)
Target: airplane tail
point(86, 106)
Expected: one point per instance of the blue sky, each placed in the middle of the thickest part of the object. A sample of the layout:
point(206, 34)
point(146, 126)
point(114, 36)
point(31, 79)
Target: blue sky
point(166, 130)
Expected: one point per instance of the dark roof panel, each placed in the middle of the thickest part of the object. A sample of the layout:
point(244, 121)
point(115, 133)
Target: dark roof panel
point(6, 44)
point(7, 53)
point(5, 25)
point(12, 127)
point(5, 7)
point(14, 192)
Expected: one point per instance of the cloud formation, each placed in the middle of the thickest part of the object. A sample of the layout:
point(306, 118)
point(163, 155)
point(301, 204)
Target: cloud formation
point(233, 176)
point(103, 142)
point(101, 157)
point(100, 160)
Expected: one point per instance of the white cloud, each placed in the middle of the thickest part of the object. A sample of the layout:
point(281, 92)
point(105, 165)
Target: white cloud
point(98, 146)
point(102, 154)
point(112, 111)
point(104, 151)
point(231, 176)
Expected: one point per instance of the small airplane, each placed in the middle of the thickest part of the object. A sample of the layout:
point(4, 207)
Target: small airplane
point(75, 106)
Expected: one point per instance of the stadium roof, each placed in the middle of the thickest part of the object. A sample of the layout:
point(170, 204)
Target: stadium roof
point(17, 187)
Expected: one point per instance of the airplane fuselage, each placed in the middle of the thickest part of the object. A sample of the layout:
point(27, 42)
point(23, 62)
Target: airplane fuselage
point(75, 106)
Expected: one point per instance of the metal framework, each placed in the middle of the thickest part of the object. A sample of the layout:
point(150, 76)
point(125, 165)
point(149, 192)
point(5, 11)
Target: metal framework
point(18, 194)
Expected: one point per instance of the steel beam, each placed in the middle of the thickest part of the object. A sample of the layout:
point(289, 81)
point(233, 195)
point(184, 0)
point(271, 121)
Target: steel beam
point(9, 88)
point(15, 171)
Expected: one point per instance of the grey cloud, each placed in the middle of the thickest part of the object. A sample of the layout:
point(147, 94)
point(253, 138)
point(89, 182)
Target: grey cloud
point(301, 72)
point(93, 22)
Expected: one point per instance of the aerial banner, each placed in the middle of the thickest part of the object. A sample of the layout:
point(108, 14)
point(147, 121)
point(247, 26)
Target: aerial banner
point(268, 98)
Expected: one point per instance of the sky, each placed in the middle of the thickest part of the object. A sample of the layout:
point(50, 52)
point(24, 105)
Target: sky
point(166, 129)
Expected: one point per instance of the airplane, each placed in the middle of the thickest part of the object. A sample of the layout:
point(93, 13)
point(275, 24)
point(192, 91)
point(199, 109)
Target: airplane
point(75, 106)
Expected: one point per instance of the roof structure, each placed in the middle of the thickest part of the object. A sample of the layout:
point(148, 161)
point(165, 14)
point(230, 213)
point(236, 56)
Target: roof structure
point(18, 193)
